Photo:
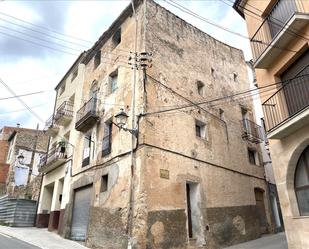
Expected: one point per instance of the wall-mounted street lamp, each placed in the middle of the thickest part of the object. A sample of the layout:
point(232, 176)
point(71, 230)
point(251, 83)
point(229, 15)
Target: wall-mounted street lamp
point(121, 121)
point(21, 159)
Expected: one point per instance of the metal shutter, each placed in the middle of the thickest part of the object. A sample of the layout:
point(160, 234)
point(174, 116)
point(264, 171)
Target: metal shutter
point(80, 213)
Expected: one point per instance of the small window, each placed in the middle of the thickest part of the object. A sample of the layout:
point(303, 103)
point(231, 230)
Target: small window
point(104, 183)
point(97, 59)
point(221, 114)
point(235, 76)
point(116, 39)
point(74, 74)
point(200, 87)
point(200, 129)
point(253, 157)
point(212, 70)
point(113, 81)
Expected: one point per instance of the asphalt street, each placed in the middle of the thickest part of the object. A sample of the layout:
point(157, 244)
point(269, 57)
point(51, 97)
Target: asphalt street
point(8, 242)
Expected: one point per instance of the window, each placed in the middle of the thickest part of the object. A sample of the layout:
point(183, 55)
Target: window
point(107, 139)
point(253, 156)
point(104, 183)
point(200, 87)
point(302, 183)
point(221, 114)
point(113, 81)
point(86, 150)
point(235, 76)
point(97, 59)
point(74, 74)
point(116, 39)
point(200, 129)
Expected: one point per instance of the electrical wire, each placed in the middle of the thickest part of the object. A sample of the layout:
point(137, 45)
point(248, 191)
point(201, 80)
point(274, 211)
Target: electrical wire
point(273, 20)
point(188, 11)
point(222, 98)
point(44, 28)
point(21, 101)
point(23, 95)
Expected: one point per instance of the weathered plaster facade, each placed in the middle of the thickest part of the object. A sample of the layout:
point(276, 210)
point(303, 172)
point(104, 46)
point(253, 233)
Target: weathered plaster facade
point(288, 138)
point(172, 165)
point(20, 141)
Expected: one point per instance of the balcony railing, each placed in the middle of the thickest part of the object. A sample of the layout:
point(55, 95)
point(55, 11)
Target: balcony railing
point(88, 115)
point(55, 157)
point(51, 128)
point(252, 131)
point(64, 113)
point(272, 25)
point(289, 100)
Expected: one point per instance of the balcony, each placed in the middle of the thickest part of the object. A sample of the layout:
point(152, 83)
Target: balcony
point(51, 128)
point(64, 113)
point(54, 158)
point(88, 115)
point(278, 29)
point(288, 109)
point(252, 131)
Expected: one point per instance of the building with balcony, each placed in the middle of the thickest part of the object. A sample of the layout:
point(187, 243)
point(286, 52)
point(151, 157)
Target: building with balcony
point(185, 179)
point(279, 41)
point(20, 153)
point(55, 165)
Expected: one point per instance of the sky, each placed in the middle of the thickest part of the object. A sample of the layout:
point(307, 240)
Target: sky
point(35, 55)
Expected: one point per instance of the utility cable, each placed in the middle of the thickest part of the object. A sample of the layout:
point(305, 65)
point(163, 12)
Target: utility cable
point(23, 95)
point(21, 101)
point(188, 11)
point(221, 98)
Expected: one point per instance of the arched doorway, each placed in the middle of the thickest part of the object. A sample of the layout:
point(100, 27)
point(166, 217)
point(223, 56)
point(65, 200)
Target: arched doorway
point(301, 183)
point(261, 213)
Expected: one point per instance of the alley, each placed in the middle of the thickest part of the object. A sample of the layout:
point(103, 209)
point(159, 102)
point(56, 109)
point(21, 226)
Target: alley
point(12, 243)
point(277, 241)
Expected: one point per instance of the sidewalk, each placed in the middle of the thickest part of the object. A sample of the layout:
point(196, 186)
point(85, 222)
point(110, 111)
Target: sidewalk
point(40, 237)
point(276, 241)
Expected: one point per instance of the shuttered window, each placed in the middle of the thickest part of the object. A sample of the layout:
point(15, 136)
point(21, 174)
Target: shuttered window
point(107, 139)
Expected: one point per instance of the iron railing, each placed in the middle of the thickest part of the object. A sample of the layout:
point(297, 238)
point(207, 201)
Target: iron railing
point(252, 131)
point(272, 25)
point(289, 100)
point(55, 153)
point(90, 108)
point(50, 122)
point(65, 109)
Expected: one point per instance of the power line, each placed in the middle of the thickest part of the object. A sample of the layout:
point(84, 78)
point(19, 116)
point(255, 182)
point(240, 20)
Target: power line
point(278, 22)
point(21, 101)
point(44, 28)
point(38, 44)
point(23, 95)
point(24, 109)
point(188, 11)
point(37, 31)
point(219, 98)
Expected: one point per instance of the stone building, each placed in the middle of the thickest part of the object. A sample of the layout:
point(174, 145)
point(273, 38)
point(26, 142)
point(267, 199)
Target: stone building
point(191, 177)
point(279, 41)
point(4, 149)
point(21, 149)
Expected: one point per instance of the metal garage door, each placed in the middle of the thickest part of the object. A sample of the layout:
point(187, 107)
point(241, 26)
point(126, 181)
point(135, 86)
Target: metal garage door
point(80, 213)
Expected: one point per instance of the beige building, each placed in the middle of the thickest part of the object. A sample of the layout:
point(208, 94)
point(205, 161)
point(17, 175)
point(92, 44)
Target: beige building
point(279, 41)
point(56, 164)
point(177, 174)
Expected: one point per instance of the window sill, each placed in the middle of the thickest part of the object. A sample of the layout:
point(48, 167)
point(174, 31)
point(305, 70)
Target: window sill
point(301, 217)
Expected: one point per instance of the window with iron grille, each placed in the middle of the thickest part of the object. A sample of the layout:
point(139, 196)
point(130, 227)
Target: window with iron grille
point(113, 81)
point(253, 156)
point(107, 139)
